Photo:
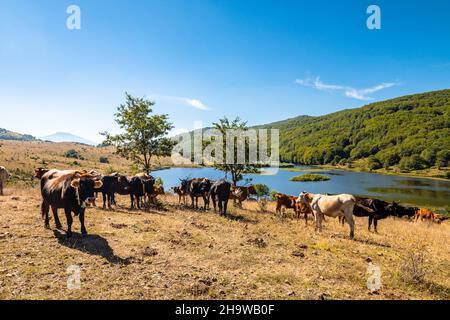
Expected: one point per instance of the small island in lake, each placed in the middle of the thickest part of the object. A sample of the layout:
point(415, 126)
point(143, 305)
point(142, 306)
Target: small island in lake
point(309, 177)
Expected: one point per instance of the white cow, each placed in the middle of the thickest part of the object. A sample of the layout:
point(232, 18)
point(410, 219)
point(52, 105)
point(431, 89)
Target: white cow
point(4, 175)
point(340, 205)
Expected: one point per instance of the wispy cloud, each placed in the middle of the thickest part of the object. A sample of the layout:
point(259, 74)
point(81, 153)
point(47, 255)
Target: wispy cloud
point(191, 102)
point(360, 94)
point(195, 103)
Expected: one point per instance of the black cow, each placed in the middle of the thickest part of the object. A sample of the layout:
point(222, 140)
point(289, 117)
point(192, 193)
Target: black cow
point(113, 184)
point(199, 187)
point(140, 187)
point(377, 209)
point(401, 211)
point(70, 191)
point(220, 192)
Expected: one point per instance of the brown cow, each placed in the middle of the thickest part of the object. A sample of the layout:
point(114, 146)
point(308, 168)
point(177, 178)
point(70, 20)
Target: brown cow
point(70, 191)
point(284, 200)
point(241, 193)
point(182, 194)
point(425, 214)
point(290, 202)
point(157, 190)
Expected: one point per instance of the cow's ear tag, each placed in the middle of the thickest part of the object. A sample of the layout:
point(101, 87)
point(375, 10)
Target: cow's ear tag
point(75, 183)
point(98, 184)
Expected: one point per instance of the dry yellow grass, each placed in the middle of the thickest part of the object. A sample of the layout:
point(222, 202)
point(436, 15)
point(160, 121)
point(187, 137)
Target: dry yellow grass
point(176, 252)
point(21, 158)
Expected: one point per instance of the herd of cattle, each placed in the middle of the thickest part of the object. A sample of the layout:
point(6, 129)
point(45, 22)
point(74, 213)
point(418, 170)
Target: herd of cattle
point(74, 190)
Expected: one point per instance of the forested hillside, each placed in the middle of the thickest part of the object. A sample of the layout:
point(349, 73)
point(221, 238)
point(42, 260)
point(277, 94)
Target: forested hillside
point(412, 132)
point(9, 135)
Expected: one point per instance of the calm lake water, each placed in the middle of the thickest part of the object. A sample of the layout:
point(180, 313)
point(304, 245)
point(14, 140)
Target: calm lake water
point(412, 191)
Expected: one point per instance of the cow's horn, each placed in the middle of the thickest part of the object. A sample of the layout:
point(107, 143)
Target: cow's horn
point(98, 184)
point(75, 183)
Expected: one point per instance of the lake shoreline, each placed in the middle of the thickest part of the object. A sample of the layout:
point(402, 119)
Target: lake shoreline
point(398, 174)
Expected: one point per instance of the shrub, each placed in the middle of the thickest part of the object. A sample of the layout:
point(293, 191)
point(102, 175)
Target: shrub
point(73, 154)
point(373, 163)
point(309, 177)
point(413, 162)
point(272, 194)
point(262, 193)
point(104, 160)
point(443, 158)
point(159, 181)
point(413, 269)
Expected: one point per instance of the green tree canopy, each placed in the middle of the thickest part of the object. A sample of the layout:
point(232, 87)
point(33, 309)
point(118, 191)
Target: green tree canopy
point(145, 135)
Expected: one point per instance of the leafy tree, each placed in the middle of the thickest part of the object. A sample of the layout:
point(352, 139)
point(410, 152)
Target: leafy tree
point(145, 135)
point(443, 158)
point(413, 162)
point(262, 193)
point(429, 156)
point(236, 169)
point(373, 163)
point(262, 190)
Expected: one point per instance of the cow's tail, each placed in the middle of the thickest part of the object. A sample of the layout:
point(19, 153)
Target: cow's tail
point(364, 207)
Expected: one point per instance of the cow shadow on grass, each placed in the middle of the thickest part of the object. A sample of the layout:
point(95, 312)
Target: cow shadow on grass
point(91, 244)
point(240, 218)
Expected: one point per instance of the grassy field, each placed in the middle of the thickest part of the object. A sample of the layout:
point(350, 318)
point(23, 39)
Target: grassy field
point(175, 252)
point(21, 158)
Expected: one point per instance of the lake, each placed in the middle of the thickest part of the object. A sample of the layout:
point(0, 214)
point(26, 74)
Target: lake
point(412, 191)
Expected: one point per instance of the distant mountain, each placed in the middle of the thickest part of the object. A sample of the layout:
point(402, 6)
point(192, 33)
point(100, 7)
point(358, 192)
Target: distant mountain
point(66, 137)
point(10, 135)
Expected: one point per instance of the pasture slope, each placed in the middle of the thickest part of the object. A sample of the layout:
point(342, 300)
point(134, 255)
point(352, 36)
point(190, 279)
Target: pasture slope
point(22, 157)
point(174, 252)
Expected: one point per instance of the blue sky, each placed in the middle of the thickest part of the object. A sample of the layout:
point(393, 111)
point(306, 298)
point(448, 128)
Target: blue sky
point(202, 59)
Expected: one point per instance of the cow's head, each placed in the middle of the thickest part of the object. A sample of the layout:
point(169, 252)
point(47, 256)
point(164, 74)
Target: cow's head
point(304, 197)
point(251, 190)
point(39, 172)
point(85, 187)
point(123, 182)
point(205, 185)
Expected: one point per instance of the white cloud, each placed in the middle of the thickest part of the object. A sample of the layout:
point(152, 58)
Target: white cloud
point(196, 104)
point(191, 102)
point(360, 94)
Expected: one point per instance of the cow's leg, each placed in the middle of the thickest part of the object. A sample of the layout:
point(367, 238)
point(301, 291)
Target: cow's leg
point(69, 221)
point(317, 220)
point(370, 222)
point(225, 205)
point(220, 203)
point(138, 202)
point(131, 201)
point(375, 225)
point(1, 188)
point(305, 214)
point(45, 208)
point(213, 198)
point(83, 227)
point(351, 223)
point(55, 216)
point(105, 197)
